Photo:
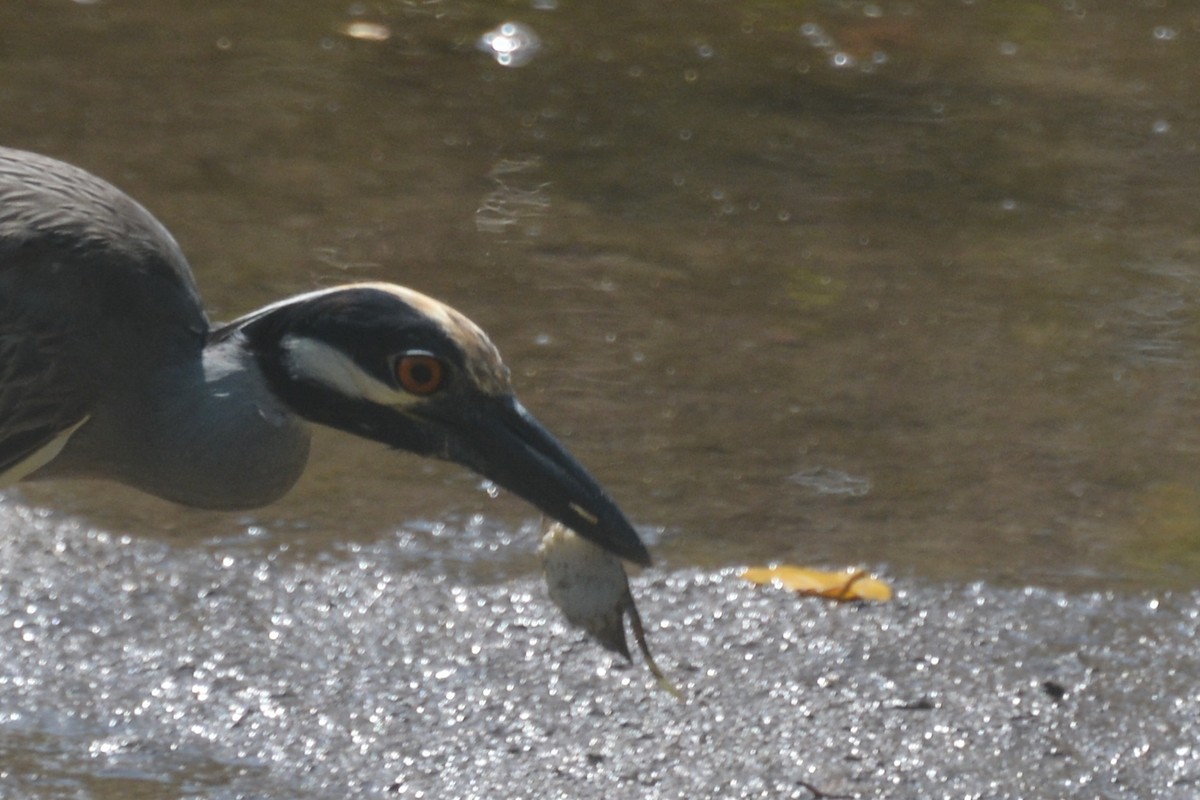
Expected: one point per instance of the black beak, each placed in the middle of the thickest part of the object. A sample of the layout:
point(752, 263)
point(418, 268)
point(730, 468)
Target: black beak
point(505, 444)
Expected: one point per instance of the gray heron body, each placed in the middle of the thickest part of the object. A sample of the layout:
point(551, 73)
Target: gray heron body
point(109, 368)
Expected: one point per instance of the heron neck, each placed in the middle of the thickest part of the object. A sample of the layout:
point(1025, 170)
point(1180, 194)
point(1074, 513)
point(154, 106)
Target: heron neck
point(203, 432)
point(233, 444)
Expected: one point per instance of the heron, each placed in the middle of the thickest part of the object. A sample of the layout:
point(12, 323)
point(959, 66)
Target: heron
point(111, 369)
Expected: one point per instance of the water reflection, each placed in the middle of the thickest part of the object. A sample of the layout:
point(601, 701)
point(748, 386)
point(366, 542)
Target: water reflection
point(516, 201)
point(512, 44)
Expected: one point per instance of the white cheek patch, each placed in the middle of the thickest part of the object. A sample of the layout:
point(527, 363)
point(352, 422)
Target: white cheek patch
point(313, 360)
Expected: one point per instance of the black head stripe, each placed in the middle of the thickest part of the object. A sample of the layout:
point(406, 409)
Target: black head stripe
point(369, 325)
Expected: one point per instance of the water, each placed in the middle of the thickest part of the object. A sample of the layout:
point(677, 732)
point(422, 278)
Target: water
point(912, 285)
point(948, 253)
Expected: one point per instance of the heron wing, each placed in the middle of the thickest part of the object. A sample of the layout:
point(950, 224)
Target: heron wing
point(93, 292)
point(62, 218)
point(37, 412)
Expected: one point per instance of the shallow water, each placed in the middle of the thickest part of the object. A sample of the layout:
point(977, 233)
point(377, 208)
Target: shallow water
point(912, 285)
point(828, 282)
point(165, 672)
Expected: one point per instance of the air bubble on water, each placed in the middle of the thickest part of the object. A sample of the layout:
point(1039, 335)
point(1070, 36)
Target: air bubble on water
point(512, 44)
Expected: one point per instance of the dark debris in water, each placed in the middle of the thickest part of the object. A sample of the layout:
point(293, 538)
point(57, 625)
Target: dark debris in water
point(128, 665)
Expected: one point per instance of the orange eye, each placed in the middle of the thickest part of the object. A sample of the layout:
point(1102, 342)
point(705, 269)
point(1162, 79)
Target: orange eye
point(419, 374)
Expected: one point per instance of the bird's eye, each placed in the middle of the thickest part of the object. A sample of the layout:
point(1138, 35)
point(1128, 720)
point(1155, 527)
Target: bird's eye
point(420, 374)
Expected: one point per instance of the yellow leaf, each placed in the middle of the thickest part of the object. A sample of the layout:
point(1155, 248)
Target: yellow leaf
point(848, 584)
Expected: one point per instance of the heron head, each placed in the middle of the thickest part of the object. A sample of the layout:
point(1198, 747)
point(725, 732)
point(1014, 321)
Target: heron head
point(390, 364)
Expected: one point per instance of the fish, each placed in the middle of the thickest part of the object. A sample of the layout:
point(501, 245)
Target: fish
point(591, 589)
